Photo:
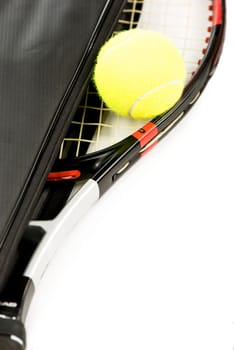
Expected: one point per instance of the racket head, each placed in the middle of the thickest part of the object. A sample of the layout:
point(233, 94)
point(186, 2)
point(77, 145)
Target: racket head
point(98, 137)
point(197, 48)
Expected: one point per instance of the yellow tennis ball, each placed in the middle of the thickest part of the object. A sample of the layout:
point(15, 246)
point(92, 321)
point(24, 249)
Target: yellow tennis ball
point(139, 73)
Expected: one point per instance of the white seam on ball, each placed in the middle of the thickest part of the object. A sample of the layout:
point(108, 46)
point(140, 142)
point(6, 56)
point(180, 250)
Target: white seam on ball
point(109, 50)
point(155, 89)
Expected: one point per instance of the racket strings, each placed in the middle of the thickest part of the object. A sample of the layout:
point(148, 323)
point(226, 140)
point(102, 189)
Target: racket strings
point(130, 15)
point(186, 22)
point(93, 119)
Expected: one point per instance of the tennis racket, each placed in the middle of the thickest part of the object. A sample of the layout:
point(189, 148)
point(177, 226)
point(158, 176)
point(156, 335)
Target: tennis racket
point(100, 146)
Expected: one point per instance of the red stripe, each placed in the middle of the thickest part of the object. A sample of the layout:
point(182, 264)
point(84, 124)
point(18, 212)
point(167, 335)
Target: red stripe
point(63, 175)
point(218, 12)
point(146, 133)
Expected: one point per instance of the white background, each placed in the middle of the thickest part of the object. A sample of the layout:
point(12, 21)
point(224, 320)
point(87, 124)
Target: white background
point(151, 266)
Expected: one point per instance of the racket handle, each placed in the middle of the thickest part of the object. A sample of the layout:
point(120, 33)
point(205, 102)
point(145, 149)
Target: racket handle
point(14, 304)
point(12, 335)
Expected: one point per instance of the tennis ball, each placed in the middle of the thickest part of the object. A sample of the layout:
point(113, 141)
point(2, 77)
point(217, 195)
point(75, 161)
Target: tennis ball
point(139, 73)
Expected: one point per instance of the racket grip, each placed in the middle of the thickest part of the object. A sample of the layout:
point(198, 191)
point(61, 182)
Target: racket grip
point(12, 335)
point(14, 303)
